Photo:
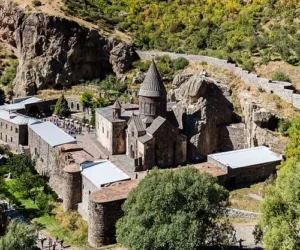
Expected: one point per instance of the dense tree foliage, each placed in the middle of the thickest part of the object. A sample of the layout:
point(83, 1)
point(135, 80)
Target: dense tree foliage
point(86, 99)
point(62, 107)
point(280, 220)
point(174, 210)
point(19, 164)
point(19, 236)
point(227, 29)
point(28, 184)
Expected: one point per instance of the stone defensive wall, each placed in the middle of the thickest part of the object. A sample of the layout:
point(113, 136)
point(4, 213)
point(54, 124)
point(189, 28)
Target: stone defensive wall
point(282, 89)
point(237, 213)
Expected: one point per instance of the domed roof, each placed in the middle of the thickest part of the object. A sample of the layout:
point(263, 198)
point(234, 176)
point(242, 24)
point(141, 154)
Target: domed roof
point(152, 86)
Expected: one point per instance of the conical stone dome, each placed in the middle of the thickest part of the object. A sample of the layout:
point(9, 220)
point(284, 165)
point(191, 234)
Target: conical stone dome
point(153, 85)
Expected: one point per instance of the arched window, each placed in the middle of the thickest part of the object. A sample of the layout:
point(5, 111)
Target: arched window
point(78, 107)
point(72, 105)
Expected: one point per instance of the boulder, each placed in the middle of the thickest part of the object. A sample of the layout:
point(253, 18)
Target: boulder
point(180, 79)
point(260, 124)
point(201, 109)
point(139, 78)
point(121, 58)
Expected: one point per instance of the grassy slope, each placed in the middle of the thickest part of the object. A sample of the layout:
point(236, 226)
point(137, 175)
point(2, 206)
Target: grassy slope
point(57, 224)
point(222, 28)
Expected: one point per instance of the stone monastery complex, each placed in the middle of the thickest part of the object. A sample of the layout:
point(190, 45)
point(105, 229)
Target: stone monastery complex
point(133, 139)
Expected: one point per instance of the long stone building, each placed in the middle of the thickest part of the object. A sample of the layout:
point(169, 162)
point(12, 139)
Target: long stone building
point(143, 132)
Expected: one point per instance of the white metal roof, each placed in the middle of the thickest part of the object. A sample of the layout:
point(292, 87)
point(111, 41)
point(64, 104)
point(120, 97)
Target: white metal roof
point(103, 172)
point(246, 157)
point(16, 118)
point(21, 104)
point(50, 133)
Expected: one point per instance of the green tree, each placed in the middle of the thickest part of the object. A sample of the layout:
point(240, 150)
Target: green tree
point(93, 119)
point(2, 97)
point(27, 184)
point(100, 102)
point(180, 63)
point(43, 202)
point(175, 210)
point(19, 236)
point(280, 212)
point(62, 107)
point(87, 99)
point(19, 164)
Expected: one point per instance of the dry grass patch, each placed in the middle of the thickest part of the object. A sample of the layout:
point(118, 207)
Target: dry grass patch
point(240, 198)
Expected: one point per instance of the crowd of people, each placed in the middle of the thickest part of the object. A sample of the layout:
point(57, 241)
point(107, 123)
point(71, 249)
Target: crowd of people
point(52, 244)
point(69, 127)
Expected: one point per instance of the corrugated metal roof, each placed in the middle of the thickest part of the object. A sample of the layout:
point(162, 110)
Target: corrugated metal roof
point(16, 118)
point(103, 172)
point(21, 104)
point(246, 157)
point(50, 133)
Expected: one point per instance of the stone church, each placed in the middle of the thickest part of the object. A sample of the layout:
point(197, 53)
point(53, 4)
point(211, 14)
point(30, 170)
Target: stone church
point(144, 132)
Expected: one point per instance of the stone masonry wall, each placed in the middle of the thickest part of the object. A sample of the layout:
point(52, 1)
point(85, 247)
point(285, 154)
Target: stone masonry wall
point(13, 135)
point(280, 89)
point(102, 222)
point(72, 190)
point(87, 188)
point(237, 213)
point(47, 163)
point(104, 131)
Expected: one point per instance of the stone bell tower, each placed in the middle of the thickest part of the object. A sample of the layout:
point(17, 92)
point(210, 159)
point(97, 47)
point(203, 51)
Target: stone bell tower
point(153, 94)
point(117, 110)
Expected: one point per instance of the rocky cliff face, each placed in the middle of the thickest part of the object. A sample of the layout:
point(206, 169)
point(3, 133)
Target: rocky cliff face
point(205, 114)
point(201, 109)
point(260, 124)
point(55, 52)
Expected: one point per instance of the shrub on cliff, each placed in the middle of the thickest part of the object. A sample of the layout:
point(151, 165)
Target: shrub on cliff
point(175, 210)
point(180, 63)
point(281, 77)
point(61, 107)
point(9, 74)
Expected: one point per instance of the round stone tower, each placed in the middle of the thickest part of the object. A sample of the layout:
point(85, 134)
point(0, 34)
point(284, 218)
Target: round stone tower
point(72, 187)
point(153, 94)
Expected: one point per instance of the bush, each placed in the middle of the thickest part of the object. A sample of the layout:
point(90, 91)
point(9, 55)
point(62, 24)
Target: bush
point(9, 74)
point(180, 63)
point(248, 65)
point(141, 65)
point(62, 107)
point(36, 3)
point(281, 77)
point(43, 202)
point(283, 126)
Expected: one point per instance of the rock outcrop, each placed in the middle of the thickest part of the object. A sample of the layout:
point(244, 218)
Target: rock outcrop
point(55, 52)
point(121, 58)
point(260, 124)
point(201, 109)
